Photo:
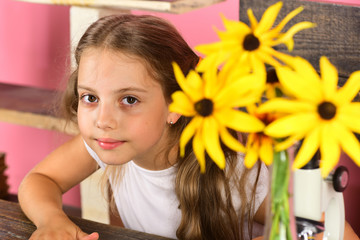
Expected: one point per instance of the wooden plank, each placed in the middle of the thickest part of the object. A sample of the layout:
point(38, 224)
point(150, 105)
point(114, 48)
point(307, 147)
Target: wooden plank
point(15, 225)
point(170, 6)
point(337, 35)
point(32, 107)
point(4, 187)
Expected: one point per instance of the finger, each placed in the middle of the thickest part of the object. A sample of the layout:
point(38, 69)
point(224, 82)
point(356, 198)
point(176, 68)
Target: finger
point(92, 236)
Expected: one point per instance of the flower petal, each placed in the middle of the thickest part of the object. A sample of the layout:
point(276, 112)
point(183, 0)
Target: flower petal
point(287, 37)
point(263, 53)
point(199, 151)
point(239, 121)
point(285, 58)
point(251, 158)
point(329, 75)
point(266, 150)
point(297, 123)
point(287, 18)
point(189, 89)
point(288, 142)
point(329, 149)
point(230, 141)
point(194, 81)
point(268, 18)
point(182, 104)
point(234, 93)
point(234, 25)
point(252, 19)
point(308, 149)
point(258, 65)
point(211, 86)
point(252, 152)
point(349, 115)
point(349, 90)
point(188, 132)
point(215, 55)
point(349, 143)
point(307, 71)
point(286, 106)
point(218, 47)
point(299, 85)
point(210, 137)
point(209, 48)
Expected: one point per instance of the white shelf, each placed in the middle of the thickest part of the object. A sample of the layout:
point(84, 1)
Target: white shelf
point(29, 106)
point(170, 6)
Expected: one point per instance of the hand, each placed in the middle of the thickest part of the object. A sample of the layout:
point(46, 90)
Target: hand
point(42, 234)
point(93, 236)
point(62, 230)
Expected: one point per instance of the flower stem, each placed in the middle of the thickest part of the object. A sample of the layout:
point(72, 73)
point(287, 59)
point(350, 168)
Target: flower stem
point(280, 228)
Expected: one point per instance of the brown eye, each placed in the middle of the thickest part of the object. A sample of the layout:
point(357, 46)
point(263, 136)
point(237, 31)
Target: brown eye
point(129, 100)
point(89, 98)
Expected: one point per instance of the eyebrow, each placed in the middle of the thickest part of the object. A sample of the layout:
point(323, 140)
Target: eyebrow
point(122, 90)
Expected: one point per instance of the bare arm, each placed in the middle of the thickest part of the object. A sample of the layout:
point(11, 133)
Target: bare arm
point(40, 193)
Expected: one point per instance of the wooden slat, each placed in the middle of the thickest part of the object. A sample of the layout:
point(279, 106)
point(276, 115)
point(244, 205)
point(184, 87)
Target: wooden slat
point(337, 35)
point(4, 187)
point(14, 225)
point(30, 106)
point(170, 6)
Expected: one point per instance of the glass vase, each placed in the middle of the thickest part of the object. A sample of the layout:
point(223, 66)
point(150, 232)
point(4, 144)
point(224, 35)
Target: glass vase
point(280, 220)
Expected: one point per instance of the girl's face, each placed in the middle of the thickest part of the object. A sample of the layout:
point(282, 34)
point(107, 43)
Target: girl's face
point(122, 113)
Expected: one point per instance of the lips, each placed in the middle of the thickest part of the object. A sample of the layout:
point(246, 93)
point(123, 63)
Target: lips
point(108, 144)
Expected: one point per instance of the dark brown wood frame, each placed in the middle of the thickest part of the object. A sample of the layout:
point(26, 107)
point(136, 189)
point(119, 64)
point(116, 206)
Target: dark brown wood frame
point(337, 35)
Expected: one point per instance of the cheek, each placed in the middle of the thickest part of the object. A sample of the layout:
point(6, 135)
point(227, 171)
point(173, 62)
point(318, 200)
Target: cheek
point(150, 128)
point(84, 121)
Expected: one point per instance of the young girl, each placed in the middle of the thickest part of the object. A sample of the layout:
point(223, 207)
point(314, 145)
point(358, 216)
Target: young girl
point(119, 96)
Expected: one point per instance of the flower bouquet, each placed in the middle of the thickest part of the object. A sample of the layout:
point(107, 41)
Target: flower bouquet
point(244, 71)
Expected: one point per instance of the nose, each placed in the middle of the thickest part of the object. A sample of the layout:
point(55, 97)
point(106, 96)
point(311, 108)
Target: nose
point(105, 119)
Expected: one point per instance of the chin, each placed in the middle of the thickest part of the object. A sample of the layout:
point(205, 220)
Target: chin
point(114, 162)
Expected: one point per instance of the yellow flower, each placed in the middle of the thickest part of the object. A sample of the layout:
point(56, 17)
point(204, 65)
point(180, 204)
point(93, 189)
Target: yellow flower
point(213, 107)
point(251, 47)
point(259, 145)
point(322, 114)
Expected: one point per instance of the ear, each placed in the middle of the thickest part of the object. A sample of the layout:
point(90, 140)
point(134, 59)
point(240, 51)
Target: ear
point(173, 117)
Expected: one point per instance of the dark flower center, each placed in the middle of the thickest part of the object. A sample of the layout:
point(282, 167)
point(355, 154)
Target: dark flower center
point(271, 76)
point(326, 110)
point(251, 42)
point(204, 107)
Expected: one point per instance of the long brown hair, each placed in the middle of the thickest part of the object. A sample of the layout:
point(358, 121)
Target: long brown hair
point(204, 199)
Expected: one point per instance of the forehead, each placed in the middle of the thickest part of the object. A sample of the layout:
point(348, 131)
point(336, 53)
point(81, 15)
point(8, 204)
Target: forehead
point(99, 65)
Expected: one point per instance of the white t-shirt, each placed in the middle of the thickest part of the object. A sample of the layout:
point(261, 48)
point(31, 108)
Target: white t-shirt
point(146, 199)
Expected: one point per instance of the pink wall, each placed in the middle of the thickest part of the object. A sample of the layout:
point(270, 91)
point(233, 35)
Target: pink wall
point(34, 46)
point(33, 43)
